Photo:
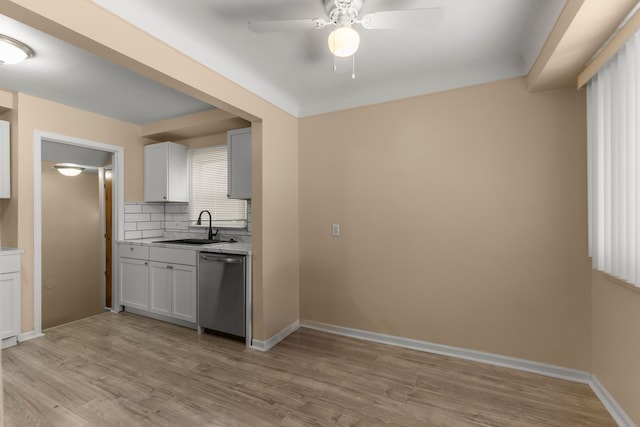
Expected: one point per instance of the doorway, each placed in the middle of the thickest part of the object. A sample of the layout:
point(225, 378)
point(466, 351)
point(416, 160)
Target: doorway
point(43, 141)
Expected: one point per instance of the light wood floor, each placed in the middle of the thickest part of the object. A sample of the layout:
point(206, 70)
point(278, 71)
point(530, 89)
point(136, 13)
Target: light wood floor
point(125, 370)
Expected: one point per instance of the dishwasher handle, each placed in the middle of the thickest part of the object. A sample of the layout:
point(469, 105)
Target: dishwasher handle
point(222, 259)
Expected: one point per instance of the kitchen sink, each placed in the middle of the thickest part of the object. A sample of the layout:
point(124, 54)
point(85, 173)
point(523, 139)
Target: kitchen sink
point(195, 241)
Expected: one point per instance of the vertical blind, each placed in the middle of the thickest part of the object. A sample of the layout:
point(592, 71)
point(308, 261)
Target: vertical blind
point(208, 188)
point(613, 105)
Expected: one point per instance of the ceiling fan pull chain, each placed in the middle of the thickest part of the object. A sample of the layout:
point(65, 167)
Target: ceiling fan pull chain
point(334, 56)
point(353, 66)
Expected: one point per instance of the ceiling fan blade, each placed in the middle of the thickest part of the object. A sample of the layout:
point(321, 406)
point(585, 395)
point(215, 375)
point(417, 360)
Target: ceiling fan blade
point(286, 25)
point(412, 19)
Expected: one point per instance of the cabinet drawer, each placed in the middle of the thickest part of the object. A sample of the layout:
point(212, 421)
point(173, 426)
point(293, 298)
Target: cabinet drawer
point(173, 256)
point(9, 263)
point(133, 251)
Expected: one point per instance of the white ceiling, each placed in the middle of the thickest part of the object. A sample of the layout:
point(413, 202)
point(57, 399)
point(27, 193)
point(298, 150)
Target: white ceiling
point(63, 73)
point(479, 41)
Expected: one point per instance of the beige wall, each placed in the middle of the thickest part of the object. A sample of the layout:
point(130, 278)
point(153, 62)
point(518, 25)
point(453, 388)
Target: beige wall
point(616, 342)
point(39, 114)
point(205, 141)
point(463, 218)
point(71, 247)
point(85, 24)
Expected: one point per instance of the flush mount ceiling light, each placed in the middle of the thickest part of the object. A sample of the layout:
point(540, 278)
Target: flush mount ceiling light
point(344, 41)
point(69, 170)
point(13, 51)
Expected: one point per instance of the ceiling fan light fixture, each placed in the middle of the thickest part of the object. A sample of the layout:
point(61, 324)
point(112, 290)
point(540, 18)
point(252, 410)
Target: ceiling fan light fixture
point(68, 170)
point(13, 51)
point(343, 41)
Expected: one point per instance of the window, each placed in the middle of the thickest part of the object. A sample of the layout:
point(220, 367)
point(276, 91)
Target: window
point(613, 100)
point(208, 189)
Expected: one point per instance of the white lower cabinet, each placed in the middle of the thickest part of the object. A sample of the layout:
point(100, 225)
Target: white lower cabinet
point(184, 293)
point(134, 283)
point(173, 290)
point(9, 299)
point(161, 288)
point(9, 308)
point(156, 285)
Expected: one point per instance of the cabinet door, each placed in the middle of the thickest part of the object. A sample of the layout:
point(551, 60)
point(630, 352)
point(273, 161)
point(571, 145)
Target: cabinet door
point(239, 164)
point(184, 293)
point(166, 173)
point(156, 170)
point(134, 283)
point(5, 160)
point(161, 288)
point(178, 175)
point(9, 305)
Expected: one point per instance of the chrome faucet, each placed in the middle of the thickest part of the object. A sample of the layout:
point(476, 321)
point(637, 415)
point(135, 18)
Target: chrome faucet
point(199, 222)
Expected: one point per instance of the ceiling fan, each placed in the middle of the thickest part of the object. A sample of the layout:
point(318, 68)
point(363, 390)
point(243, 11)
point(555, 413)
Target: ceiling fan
point(344, 40)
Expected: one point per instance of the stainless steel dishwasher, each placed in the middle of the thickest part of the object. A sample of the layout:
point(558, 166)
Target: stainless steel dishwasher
point(221, 293)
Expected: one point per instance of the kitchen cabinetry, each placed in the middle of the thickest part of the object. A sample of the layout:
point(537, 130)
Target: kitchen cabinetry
point(161, 283)
point(173, 290)
point(133, 275)
point(5, 160)
point(184, 285)
point(166, 173)
point(9, 298)
point(161, 287)
point(239, 164)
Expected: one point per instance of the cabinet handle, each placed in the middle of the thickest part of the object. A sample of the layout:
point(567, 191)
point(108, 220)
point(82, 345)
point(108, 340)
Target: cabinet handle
point(223, 260)
point(164, 197)
point(170, 267)
point(146, 263)
point(131, 249)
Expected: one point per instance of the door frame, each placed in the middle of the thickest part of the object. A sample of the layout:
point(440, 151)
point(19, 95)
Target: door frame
point(102, 180)
point(118, 210)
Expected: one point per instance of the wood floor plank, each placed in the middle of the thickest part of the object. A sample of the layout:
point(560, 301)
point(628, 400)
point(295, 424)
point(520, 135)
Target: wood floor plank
point(127, 370)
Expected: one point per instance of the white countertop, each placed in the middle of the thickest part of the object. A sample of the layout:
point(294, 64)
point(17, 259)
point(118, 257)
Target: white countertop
point(238, 248)
point(4, 250)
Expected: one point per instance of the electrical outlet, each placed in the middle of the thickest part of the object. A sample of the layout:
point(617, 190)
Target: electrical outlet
point(335, 230)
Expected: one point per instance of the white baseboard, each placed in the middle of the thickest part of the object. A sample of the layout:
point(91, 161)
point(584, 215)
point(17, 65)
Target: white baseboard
point(9, 342)
point(616, 411)
point(268, 344)
point(29, 336)
point(461, 353)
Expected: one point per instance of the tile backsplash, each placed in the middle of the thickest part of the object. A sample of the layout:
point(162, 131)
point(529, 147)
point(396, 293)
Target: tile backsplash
point(148, 220)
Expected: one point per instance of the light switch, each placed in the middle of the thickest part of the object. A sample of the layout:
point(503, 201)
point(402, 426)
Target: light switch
point(335, 230)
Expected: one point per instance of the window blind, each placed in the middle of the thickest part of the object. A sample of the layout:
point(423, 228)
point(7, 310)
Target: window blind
point(613, 105)
point(208, 188)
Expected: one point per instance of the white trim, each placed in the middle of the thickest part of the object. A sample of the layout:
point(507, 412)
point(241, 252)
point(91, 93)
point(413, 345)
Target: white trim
point(118, 211)
point(9, 342)
point(461, 353)
point(37, 234)
point(271, 342)
point(248, 302)
point(616, 411)
point(103, 237)
point(26, 336)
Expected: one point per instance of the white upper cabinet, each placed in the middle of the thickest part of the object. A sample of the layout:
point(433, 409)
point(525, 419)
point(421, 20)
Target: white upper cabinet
point(5, 161)
point(239, 164)
point(166, 173)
